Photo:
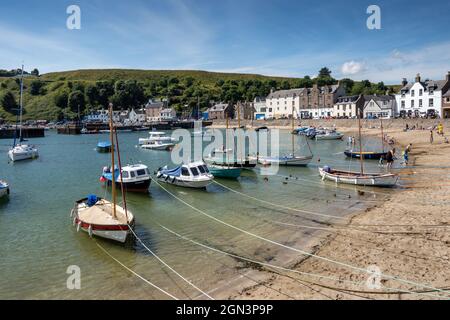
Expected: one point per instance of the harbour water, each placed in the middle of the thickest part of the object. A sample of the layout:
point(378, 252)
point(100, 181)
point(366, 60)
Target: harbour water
point(38, 242)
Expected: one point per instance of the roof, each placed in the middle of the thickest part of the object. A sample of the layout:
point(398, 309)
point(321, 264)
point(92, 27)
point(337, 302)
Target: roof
point(219, 107)
point(379, 97)
point(447, 94)
point(167, 110)
point(286, 93)
point(347, 99)
point(435, 84)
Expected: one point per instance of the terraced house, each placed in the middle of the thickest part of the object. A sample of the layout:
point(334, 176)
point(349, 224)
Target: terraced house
point(305, 103)
point(423, 98)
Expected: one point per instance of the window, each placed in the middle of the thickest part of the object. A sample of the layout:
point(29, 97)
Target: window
point(141, 172)
point(194, 172)
point(412, 93)
point(201, 169)
point(431, 102)
point(206, 168)
point(431, 91)
point(270, 109)
point(420, 102)
point(412, 103)
point(403, 104)
point(185, 172)
point(420, 92)
point(125, 174)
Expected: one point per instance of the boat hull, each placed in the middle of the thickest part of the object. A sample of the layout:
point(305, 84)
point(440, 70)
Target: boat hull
point(366, 155)
point(287, 162)
point(177, 181)
point(20, 156)
point(162, 147)
point(225, 172)
point(329, 137)
point(4, 192)
point(104, 149)
point(135, 186)
point(376, 180)
point(249, 164)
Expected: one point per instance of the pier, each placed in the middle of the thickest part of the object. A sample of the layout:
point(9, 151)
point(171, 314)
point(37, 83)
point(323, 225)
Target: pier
point(27, 132)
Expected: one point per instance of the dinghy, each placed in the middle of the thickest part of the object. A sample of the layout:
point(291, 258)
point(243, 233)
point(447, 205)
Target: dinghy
point(135, 177)
point(4, 189)
point(223, 171)
point(329, 135)
point(104, 146)
point(356, 178)
point(192, 175)
point(102, 218)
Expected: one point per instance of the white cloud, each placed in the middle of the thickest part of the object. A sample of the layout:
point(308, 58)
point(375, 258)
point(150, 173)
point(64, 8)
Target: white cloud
point(352, 68)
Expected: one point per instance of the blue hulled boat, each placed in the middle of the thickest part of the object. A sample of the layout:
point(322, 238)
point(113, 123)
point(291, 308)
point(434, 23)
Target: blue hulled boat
point(104, 146)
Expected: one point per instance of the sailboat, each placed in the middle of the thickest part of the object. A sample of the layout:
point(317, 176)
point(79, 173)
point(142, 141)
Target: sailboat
point(359, 178)
point(20, 151)
point(288, 160)
point(369, 155)
point(100, 217)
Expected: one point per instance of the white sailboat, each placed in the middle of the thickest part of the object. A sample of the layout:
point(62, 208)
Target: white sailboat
point(102, 218)
point(20, 151)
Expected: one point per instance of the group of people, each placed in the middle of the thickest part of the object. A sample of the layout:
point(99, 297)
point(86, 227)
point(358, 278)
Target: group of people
point(390, 156)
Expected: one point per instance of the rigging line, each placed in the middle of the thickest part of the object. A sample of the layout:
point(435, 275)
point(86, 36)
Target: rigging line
point(344, 264)
point(169, 267)
point(135, 273)
point(287, 269)
point(278, 205)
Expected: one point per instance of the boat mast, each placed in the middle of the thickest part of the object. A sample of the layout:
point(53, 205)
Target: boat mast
point(382, 134)
point(21, 105)
point(360, 143)
point(292, 132)
point(113, 173)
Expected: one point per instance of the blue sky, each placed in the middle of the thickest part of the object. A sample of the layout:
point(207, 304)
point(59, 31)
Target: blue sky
point(285, 38)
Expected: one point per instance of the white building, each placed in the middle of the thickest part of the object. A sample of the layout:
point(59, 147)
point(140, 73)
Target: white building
point(283, 103)
point(137, 116)
point(168, 114)
point(347, 106)
point(259, 103)
point(421, 98)
point(102, 116)
point(383, 107)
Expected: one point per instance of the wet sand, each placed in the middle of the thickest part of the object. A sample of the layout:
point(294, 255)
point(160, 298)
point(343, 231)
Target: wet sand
point(407, 236)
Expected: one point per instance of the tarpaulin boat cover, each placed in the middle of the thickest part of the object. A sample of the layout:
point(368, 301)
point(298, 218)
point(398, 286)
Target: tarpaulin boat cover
point(172, 172)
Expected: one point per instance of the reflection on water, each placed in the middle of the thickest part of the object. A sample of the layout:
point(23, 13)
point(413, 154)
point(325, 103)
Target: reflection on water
point(38, 241)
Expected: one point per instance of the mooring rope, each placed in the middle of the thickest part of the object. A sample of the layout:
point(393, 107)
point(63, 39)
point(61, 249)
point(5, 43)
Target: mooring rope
point(314, 275)
point(344, 264)
point(135, 273)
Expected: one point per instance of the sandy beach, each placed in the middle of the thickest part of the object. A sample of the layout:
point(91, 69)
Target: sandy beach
point(406, 238)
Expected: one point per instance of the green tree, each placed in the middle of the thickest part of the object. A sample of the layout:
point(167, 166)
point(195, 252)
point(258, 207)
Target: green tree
point(36, 87)
point(35, 72)
point(61, 99)
point(76, 100)
point(324, 72)
point(9, 103)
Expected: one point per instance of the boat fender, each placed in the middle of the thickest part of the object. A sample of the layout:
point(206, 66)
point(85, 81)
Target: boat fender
point(90, 230)
point(78, 226)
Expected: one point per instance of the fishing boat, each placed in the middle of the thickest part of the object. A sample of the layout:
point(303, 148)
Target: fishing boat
point(289, 159)
point(368, 155)
point(4, 189)
point(359, 178)
point(356, 178)
point(330, 135)
point(20, 151)
point(156, 136)
point(158, 145)
point(104, 146)
point(135, 177)
point(100, 217)
point(192, 175)
point(223, 171)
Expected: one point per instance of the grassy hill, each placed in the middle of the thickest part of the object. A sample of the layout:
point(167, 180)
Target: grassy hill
point(57, 95)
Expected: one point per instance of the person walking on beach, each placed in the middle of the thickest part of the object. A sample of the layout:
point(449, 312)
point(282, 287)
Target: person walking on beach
point(431, 137)
point(440, 129)
point(406, 153)
point(390, 158)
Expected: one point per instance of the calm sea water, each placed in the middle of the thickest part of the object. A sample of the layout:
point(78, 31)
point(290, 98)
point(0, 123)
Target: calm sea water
point(38, 241)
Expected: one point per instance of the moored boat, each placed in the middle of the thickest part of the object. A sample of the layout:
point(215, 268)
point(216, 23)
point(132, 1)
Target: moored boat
point(135, 178)
point(23, 152)
point(329, 135)
point(287, 160)
point(4, 189)
point(156, 136)
point(357, 178)
point(104, 146)
point(368, 155)
point(158, 145)
point(223, 171)
point(192, 175)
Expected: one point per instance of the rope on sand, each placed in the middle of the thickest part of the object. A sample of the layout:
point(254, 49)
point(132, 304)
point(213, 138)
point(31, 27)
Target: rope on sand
point(265, 264)
point(135, 273)
point(340, 263)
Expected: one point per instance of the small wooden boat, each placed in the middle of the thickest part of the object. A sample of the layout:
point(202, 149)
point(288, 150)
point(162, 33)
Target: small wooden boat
point(356, 178)
point(288, 160)
point(226, 172)
point(104, 146)
point(329, 136)
point(368, 155)
point(192, 175)
point(4, 189)
point(135, 178)
point(95, 216)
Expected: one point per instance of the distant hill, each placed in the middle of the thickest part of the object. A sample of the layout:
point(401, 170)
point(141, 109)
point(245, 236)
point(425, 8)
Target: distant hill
point(59, 95)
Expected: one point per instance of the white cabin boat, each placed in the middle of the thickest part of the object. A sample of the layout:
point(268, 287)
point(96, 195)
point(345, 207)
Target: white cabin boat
point(356, 178)
point(158, 145)
point(156, 136)
point(23, 152)
point(192, 175)
point(329, 135)
point(4, 189)
point(134, 178)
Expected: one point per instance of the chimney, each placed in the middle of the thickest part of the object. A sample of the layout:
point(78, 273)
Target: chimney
point(404, 82)
point(418, 77)
point(271, 90)
point(448, 76)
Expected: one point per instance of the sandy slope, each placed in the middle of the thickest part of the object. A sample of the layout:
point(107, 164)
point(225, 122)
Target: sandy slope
point(407, 236)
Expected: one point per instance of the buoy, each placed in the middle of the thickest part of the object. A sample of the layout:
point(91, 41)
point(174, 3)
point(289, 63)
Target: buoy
point(90, 231)
point(78, 226)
